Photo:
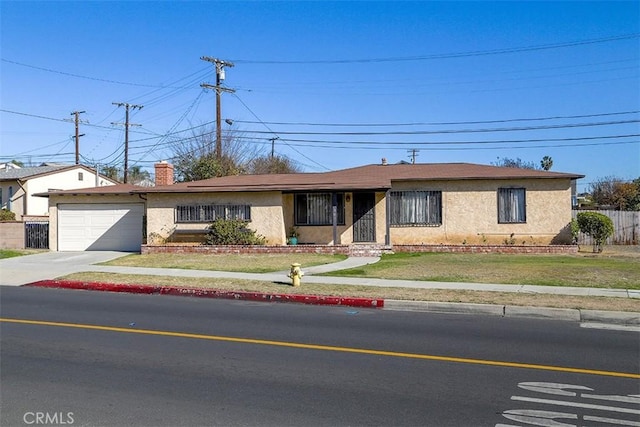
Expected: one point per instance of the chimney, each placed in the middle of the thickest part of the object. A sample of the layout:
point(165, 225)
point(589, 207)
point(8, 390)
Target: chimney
point(384, 161)
point(164, 173)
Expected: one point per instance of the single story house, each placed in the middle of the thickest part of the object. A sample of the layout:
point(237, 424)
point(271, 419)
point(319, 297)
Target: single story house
point(19, 184)
point(385, 204)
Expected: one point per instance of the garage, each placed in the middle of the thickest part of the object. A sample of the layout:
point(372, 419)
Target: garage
point(100, 227)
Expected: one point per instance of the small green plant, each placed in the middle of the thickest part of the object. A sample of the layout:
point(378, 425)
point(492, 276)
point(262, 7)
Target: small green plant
point(232, 232)
point(510, 240)
point(7, 215)
point(596, 225)
point(294, 232)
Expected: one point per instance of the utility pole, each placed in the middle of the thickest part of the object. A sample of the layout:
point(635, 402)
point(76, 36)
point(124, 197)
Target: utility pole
point(220, 76)
point(126, 123)
point(76, 120)
point(273, 145)
point(414, 154)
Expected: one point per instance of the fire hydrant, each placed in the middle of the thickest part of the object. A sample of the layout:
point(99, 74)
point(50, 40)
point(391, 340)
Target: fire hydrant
point(296, 274)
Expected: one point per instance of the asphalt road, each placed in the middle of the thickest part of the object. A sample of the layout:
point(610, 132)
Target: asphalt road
point(118, 359)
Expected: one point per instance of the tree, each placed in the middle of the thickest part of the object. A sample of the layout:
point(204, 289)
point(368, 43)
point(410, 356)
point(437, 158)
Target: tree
point(546, 163)
point(195, 158)
point(506, 162)
point(617, 193)
point(271, 165)
point(513, 163)
point(596, 225)
point(17, 163)
point(137, 176)
point(112, 172)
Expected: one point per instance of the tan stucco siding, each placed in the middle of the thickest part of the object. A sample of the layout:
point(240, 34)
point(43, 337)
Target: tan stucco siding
point(470, 213)
point(54, 201)
point(266, 213)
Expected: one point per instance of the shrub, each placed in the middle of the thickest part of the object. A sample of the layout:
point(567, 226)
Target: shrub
point(596, 225)
point(7, 215)
point(232, 232)
point(575, 231)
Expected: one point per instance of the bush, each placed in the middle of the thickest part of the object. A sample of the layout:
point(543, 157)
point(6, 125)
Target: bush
point(596, 225)
point(232, 232)
point(7, 215)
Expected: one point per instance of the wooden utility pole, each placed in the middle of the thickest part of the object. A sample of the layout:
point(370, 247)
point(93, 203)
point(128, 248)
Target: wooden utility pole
point(273, 145)
point(220, 76)
point(126, 123)
point(78, 135)
point(414, 154)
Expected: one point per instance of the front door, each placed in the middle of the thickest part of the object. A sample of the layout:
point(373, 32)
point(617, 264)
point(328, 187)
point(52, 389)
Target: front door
point(364, 218)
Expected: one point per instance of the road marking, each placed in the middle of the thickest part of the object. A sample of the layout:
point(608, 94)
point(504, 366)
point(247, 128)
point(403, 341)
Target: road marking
point(610, 327)
point(327, 348)
point(611, 421)
point(576, 405)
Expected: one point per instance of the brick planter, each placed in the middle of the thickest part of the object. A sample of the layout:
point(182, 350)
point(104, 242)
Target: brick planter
point(358, 250)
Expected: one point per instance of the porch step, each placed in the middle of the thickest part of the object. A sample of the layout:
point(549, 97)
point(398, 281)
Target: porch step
point(368, 250)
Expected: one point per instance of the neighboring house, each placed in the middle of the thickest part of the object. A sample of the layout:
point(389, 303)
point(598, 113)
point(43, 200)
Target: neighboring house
point(19, 184)
point(449, 203)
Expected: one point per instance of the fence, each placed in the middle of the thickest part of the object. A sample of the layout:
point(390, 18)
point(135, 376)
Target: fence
point(626, 225)
point(36, 235)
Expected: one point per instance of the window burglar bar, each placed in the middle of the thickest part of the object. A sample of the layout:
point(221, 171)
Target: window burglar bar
point(209, 213)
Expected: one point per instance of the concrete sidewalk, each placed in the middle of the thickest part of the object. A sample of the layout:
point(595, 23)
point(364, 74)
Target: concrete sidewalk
point(50, 265)
point(46, 266)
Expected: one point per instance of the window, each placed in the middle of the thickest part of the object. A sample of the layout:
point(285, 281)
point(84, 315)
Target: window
point(512, 205)
point(80, 176)
point(209, 213)
point(416, 208)
point(317, 208)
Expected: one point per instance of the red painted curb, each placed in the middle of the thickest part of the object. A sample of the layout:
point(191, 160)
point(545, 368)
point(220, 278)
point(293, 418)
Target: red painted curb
point(211, 293)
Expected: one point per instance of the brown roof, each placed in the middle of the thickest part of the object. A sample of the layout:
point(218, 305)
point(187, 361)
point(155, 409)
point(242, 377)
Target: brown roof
point(106, 189)
point(370, 177)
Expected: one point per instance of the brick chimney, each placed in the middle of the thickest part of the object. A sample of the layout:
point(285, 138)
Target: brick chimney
point(164, 173)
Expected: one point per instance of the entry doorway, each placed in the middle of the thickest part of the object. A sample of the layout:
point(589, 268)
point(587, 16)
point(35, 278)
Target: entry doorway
point(364, 218)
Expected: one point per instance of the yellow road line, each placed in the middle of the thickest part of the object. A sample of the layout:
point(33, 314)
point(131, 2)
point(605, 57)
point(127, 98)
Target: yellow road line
point(328, 348)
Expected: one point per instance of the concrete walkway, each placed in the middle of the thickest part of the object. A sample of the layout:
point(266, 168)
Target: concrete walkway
point(50, 265)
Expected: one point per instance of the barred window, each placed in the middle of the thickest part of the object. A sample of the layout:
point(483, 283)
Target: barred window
point(416, 208)
point(209, 213)
point(317, 208)
point(512, 205)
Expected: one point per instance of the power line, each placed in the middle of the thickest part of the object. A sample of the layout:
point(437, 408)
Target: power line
point(521, 119)
point(64, 73)
point(449, 55)
point(455, 131)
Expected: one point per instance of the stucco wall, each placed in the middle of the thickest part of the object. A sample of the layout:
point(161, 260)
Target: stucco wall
point(266, 213)
point(24, 203)
point(11, 235)
point(470, 213)
point(55, 200)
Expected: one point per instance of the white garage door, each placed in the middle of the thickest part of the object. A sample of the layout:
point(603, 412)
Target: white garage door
point(100, 227)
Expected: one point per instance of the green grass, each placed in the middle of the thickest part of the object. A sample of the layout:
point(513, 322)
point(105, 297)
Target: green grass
point(246, 263)
point(616, 268)
point(10, 253)
point(619, 272)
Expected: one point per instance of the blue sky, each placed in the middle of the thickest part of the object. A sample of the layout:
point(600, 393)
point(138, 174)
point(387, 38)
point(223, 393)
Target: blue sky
point(453, 80)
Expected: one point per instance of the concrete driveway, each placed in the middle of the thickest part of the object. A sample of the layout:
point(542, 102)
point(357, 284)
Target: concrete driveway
point(21, 270)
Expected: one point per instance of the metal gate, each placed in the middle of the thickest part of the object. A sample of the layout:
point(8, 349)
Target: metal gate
point(364, 218)
point(36, 235)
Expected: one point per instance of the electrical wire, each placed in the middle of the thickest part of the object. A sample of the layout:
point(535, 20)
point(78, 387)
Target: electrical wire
point(521, 119)
point(499, 51)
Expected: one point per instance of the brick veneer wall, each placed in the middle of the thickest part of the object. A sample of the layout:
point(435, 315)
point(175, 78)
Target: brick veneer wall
point(359, 250)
